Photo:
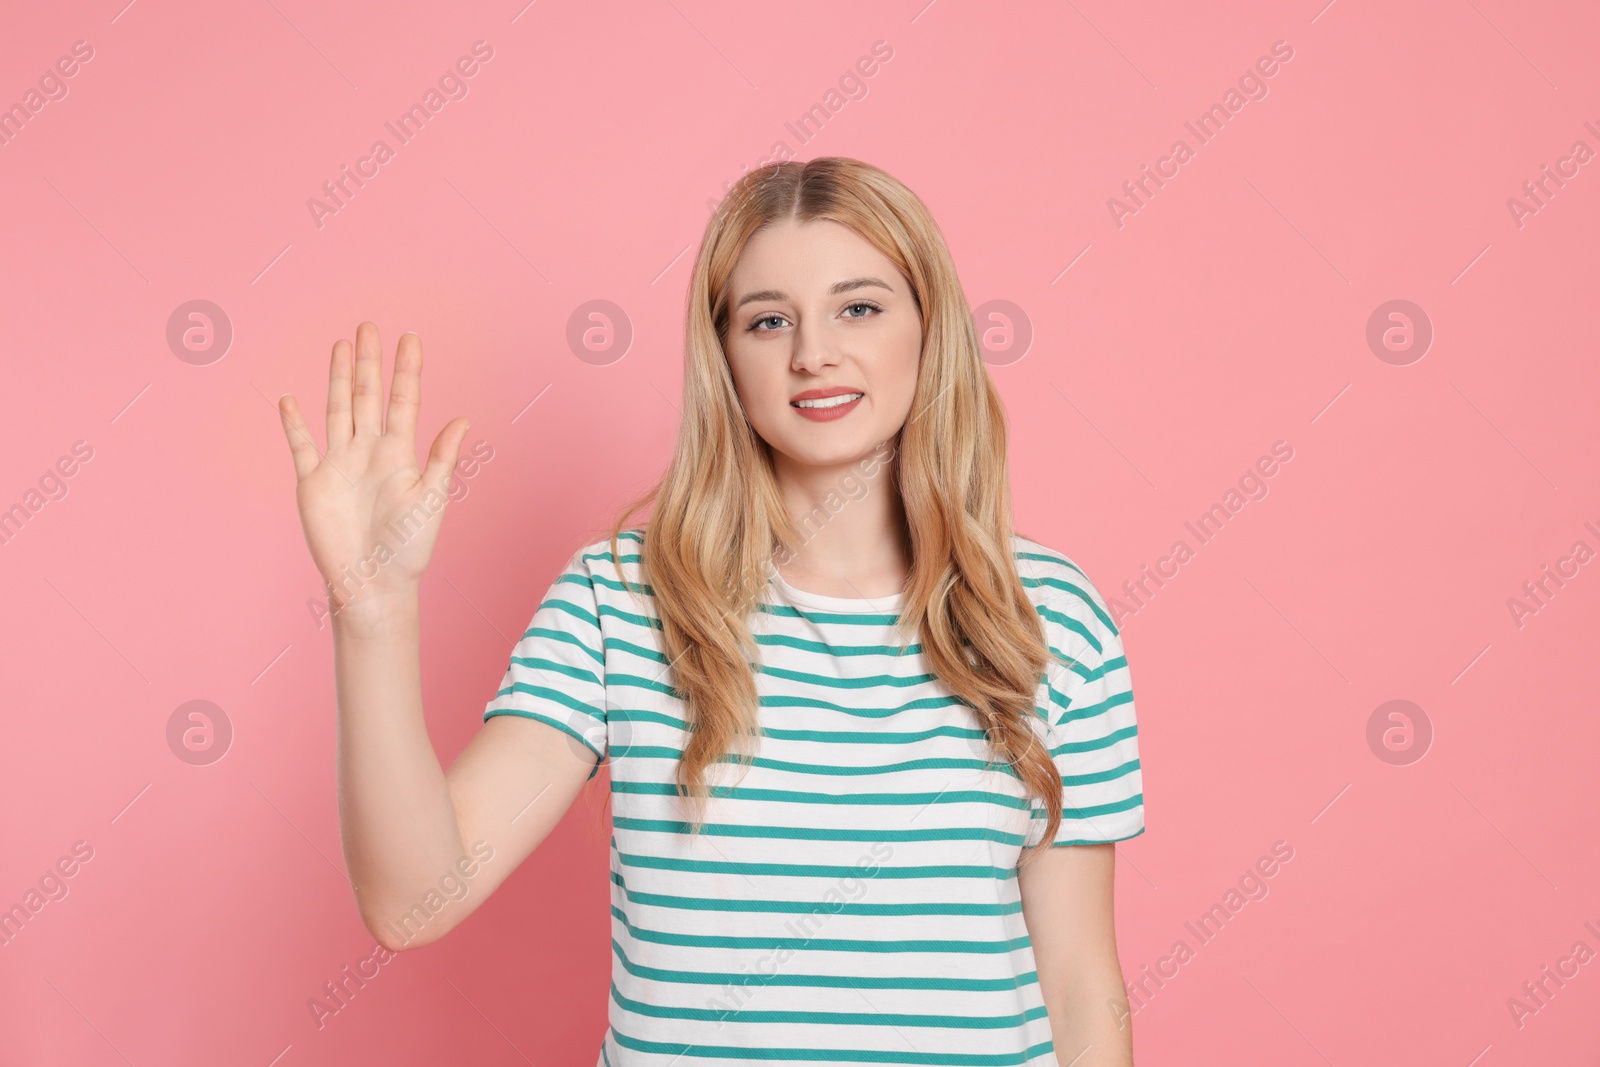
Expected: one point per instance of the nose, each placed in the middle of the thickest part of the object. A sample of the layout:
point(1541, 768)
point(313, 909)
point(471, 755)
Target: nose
point(814, 349)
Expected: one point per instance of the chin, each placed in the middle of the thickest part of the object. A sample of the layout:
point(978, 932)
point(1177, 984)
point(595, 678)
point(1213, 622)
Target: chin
point(809, 454)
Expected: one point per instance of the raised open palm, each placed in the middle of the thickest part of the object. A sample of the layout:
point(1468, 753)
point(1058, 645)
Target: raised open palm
point(370, 516)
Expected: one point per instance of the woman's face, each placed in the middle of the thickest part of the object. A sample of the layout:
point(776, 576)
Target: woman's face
point(815, 308)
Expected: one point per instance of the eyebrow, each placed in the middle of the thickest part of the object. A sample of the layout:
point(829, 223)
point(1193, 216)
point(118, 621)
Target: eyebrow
point(833, 290)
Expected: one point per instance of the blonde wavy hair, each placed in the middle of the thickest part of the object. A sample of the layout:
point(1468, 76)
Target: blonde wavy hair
point(719, 519)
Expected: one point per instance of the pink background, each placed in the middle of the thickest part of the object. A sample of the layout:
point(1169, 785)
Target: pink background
point(1168, 354)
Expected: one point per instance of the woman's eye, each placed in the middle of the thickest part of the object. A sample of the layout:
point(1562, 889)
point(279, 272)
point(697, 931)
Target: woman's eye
point(757, 327)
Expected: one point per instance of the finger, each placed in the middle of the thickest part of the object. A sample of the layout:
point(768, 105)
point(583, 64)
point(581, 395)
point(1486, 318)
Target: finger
point(339, 424)
point(444, 453)
point(303, 448)
point(367, 396)
point(405, 390)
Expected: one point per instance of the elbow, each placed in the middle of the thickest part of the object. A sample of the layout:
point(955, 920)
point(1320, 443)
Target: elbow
point(387, 938)
point(399, 931)
point(396, 935)
point(383, 932)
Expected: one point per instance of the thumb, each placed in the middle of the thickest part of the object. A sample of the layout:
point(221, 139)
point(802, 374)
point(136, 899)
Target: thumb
point(444, 453)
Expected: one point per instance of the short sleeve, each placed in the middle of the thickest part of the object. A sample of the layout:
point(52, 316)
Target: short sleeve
point(557, 669)
point(1089, 720)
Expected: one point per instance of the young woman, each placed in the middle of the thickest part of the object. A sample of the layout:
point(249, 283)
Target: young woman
point(868, 748)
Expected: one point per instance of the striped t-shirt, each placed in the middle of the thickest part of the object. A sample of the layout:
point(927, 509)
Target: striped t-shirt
point(853, 897)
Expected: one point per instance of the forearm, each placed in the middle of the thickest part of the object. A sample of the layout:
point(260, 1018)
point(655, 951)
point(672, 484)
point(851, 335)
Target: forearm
point(1093, 1026)
point(397, 819)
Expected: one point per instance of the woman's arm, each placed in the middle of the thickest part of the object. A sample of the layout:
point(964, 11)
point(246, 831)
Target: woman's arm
point(1067, 905)
point(413, 835)
point(406, 823)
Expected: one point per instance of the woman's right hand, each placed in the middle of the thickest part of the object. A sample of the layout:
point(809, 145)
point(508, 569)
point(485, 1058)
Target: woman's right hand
point(370, 516)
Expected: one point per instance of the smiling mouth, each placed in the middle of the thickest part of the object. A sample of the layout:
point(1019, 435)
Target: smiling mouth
point(827, 401)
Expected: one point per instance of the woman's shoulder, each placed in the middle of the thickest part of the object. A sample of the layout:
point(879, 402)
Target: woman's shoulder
point(1036, 556)
point(1061, 590)
point(596, 559)
point(628, 542)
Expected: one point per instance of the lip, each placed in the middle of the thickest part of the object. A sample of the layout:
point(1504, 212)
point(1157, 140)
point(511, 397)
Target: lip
point(823, 394)
point(838, 411)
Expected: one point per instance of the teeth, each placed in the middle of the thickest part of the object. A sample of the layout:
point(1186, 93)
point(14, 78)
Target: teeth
point(829, 402)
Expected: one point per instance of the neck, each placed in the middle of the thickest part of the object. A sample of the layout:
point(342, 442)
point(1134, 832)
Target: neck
point(852, 539)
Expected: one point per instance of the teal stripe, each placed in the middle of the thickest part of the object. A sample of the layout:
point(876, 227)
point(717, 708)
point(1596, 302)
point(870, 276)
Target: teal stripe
point(864, 737)
point(1104, 841)
point(812, 870)
point(555, 696)
point(824, 649)
point(544, 718)
point(817, 833)
point(822, 981)
point(1113, 664)
point(828, 1018)
point(952, 1059)
point(1095, 810)
point(744, 905)
point(566, 638)
point(567, 607)
point(1077, 591)
point(854, 737)
point(648, 622)
point(604, 555)
point(1096, 743)
point(632, 715)
point(649, 685)
point(552, 721)
point(1057, 697)
point(1072, 624)
point(1063, 701)
point(831, 618)
point(867, 682)
point(1095, 777)
point(1062, 560)
point(789, 701)
point(1090, 711)
point(643, 588)
point(798, 796)
point(652, 654)
point(828, 770)
point(539, 663)
point(1066, 662)
point(871, 945)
